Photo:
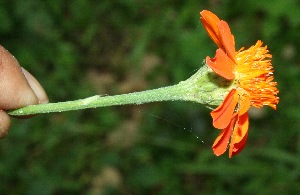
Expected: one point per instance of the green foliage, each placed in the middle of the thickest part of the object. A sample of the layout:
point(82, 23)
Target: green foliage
point(80, 48)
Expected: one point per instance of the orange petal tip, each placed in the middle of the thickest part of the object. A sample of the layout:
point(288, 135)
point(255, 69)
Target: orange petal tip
point(221, 64)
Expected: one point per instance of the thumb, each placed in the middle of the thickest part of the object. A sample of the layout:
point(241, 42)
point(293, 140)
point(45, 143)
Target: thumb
point(15, 90)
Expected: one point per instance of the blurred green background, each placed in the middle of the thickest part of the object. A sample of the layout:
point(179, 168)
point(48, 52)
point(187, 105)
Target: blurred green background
point(81, 48)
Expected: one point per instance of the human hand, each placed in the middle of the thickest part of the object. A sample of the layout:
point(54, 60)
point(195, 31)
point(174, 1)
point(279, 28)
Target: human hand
point(18, 88)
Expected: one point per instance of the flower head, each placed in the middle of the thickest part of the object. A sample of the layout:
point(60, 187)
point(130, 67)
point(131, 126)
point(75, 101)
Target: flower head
point(251, 73)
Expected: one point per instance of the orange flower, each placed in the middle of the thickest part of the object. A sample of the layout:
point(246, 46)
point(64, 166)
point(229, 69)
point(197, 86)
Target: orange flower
point(251, 74)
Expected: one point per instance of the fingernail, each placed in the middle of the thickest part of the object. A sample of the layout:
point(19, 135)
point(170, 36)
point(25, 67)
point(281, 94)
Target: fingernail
point(36, 87)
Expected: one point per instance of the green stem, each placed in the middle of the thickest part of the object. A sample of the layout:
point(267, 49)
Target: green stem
point(161, 94)
point(204, 87)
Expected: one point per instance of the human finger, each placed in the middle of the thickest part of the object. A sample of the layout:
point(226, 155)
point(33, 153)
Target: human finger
point(4, 123)
point(15, 90)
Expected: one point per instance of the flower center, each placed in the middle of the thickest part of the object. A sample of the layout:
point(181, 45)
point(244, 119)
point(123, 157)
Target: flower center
point(254, 76)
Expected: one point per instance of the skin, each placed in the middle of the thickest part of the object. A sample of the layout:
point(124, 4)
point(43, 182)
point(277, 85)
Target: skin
point(18, 88)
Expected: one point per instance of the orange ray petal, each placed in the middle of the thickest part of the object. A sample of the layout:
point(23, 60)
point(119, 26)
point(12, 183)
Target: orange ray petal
point(210, 22)
point(221, 143)
point(222, 114)
point(239, 135)
point(221, 64)
point(243, 126)
point(244, 105)
point(239, 146)
point(227, 39)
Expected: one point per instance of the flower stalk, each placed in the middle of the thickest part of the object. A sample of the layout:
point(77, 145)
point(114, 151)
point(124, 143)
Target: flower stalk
point(203, 87)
